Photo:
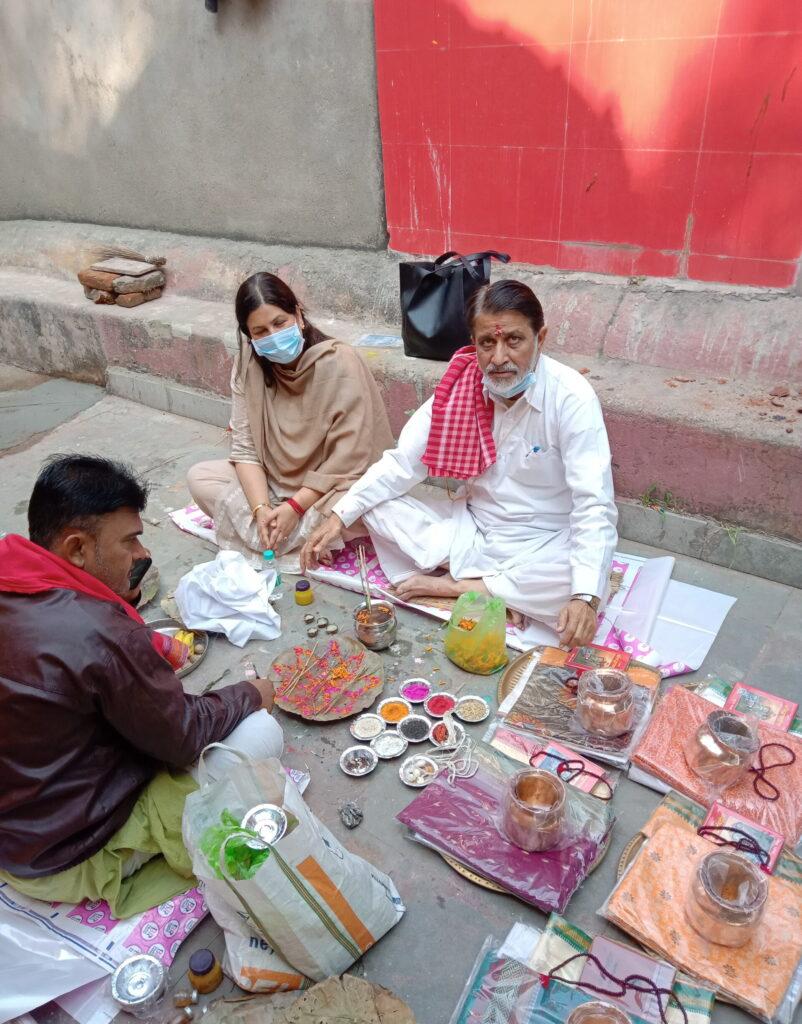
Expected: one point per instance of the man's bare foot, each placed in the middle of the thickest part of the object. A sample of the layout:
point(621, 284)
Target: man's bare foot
point(434, 586)
point(517, 619)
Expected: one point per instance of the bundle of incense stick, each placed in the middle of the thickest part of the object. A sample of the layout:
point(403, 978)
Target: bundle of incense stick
point(363, 572)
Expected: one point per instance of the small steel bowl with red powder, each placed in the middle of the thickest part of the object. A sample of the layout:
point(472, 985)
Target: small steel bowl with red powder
point(440, 704)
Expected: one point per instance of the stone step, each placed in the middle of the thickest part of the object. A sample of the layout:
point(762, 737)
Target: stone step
point(705, 446)
point(688, 326)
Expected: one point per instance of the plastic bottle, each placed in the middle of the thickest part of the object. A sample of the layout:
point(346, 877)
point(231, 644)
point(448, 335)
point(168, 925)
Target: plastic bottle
point(269, 558)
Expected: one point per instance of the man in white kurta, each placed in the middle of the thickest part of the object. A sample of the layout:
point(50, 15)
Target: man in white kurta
point(537, 527)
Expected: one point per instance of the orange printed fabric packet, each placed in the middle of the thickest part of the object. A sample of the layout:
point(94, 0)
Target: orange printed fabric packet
point(649, 904)
point(661, 753)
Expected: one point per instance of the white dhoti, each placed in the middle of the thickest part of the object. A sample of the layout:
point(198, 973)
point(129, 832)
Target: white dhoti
point(526, 567)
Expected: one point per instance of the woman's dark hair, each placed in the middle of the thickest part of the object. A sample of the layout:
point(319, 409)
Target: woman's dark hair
point(267, 289)
point(75, 490)
point(506, 297)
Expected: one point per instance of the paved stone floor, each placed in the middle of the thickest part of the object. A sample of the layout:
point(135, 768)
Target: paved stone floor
point(428, 956)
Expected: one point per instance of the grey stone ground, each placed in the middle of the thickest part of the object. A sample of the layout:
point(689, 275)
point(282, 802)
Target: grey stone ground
point(428, 956)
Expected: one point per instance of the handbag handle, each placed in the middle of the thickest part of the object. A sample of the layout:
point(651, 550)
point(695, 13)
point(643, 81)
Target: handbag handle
point(230, 882)
point(449, 259)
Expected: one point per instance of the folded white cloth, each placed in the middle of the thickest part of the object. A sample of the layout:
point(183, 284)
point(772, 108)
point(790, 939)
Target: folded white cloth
point(228, 596)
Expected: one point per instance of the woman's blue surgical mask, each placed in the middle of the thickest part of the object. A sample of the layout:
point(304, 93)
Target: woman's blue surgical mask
point(282, 346)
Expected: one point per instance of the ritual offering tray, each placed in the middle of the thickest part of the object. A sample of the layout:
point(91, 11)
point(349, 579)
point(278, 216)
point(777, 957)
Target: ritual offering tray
point(415, 690)
point(367, 727)
point(418, 771)
point(331, 681)
point(472, 709)
point(177, 634)
point(389, 744)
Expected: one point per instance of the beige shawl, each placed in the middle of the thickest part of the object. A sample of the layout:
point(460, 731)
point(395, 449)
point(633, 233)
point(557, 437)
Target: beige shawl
point(319, 425)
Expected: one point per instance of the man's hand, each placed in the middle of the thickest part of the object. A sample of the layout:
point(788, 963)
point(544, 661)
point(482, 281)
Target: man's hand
point(316, 549)
point(263, 525)
point(266, 692)
point(280, 522)
point(576, 624)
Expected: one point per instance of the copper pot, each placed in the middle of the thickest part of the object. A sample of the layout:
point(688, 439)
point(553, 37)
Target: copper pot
point(598, 1012)
point(604, 703)
point(533, 813)
point(721, 750)
point(726, 898)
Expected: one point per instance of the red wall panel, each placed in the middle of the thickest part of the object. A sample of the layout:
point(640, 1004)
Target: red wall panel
point(617, 136)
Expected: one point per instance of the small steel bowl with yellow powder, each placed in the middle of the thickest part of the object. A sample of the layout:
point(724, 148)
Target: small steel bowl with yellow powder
point(394, 709)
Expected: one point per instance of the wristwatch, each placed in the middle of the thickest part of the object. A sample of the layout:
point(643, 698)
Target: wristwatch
point(590, 599)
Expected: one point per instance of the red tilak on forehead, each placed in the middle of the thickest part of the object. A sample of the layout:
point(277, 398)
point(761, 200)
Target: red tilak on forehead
point(498, 331)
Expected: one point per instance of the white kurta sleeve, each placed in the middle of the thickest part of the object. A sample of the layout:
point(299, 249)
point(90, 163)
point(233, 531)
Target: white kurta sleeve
point(586, 458)
point(396, 472)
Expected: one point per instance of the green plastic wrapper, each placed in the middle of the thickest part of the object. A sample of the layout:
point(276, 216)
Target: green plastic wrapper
point(243, 857)
point(476, 635)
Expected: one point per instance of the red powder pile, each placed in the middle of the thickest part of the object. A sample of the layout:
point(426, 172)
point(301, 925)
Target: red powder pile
point(440, 704)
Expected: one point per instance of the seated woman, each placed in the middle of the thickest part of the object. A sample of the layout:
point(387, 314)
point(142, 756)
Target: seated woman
point(307, 420)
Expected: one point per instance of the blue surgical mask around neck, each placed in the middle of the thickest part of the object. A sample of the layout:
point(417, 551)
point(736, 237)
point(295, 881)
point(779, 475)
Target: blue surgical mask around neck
point(282, 346)
point(512, 390)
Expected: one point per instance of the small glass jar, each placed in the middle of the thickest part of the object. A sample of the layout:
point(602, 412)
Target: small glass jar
point(533, 812)
point(375, 629)
point(604, 704)
point(303, 592)
point(726, 898)
point(205, 973)
point(598, 1012)
point(721, 750)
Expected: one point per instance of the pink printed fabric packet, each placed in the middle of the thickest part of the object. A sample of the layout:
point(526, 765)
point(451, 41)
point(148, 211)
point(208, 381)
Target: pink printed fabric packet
point(158, 931)
point(661, 752)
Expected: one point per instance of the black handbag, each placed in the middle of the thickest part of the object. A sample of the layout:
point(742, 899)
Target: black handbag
point(433, 301)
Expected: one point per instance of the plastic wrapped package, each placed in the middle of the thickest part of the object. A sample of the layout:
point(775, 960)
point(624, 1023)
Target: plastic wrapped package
point(460, 818)
point(547, 707)
point(497, 985)
point(476, 635)
point(561, 941)
point(661, 753)
point(521, 748)
point(649, 903)
point(679, 810)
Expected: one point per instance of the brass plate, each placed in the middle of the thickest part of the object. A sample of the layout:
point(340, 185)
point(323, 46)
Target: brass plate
point(630, 852)
point(485, 883)
point(511, 675)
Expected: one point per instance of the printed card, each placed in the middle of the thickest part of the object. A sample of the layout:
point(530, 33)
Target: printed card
point(592, 656)
point(768, 707)
point(547, 754)
point(772, 842)
point(622, 961)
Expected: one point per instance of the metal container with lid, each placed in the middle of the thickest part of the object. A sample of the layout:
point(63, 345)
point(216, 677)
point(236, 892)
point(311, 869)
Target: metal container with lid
point(268, 821)
point(138, 984)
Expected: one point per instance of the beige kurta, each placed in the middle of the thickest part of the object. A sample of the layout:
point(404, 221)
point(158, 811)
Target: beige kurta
point(320, 425)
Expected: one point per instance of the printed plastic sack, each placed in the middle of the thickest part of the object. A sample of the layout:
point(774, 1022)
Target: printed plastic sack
point(317, 905)
point(476, 634)
point(254, 965)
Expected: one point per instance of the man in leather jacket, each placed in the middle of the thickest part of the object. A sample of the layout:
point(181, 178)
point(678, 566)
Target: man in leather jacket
point(94, 722)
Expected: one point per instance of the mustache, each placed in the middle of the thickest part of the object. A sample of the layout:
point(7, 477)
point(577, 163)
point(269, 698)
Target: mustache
point(504, 368)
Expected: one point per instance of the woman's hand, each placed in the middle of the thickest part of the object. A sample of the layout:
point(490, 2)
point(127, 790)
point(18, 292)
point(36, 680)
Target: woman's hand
point(281, 521)
point(263, 525)
point(317, 548)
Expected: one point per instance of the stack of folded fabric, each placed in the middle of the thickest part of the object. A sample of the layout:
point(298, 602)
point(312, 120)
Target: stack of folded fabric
point(123, 282)
point(461, 818)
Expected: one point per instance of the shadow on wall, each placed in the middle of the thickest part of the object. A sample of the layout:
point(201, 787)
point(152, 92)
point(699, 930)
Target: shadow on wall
point(166, 116)
point(630, 142)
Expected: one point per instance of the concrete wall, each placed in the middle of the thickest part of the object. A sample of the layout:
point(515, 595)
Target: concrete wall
point(258, 122)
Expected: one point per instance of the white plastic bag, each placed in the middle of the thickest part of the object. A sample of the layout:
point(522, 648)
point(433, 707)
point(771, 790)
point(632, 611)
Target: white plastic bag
point(255, 966)
point(319, 906)
point(228, 596)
